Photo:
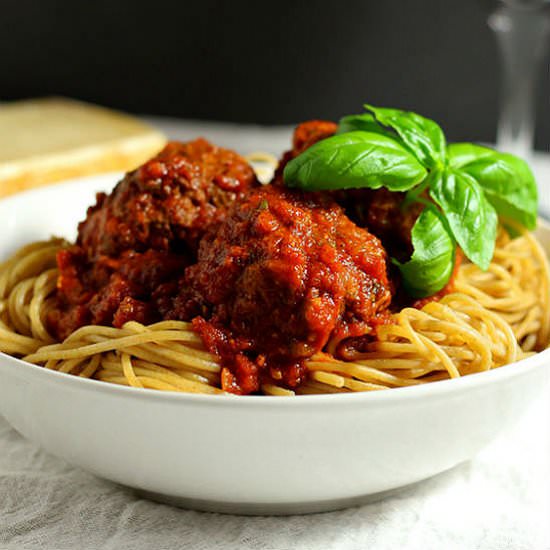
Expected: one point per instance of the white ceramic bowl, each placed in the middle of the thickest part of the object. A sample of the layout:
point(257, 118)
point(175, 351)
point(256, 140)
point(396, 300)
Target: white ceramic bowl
point(250, 454)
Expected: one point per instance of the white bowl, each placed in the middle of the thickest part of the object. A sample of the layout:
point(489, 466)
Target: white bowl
point(249, 454)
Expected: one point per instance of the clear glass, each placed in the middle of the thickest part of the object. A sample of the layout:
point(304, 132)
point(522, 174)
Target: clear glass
point(522, 29)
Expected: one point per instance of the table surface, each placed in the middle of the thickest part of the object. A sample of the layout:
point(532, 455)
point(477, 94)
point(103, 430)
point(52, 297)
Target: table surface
point(499, 500)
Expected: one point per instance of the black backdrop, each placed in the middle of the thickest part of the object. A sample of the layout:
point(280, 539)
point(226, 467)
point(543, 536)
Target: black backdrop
point(264, 62)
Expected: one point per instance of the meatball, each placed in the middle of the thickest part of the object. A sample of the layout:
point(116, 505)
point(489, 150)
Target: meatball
point(167, 203)
point(112, 291)
point(384, 213)
point(380, 210)
point(282, 276)
point(134, 245)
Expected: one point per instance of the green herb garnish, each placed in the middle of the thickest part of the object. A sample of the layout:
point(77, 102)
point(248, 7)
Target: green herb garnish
point(355, 159)
point(469, 186)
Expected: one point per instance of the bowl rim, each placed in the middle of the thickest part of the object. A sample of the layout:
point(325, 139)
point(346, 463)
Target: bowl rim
point(432, 389)
point(439, 388)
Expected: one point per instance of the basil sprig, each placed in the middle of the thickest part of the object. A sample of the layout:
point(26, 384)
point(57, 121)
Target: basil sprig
point(355, 159)
point(469, 185)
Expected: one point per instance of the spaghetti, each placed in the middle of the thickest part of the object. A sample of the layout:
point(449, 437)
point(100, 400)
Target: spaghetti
point(493, 319)
point(288, 291)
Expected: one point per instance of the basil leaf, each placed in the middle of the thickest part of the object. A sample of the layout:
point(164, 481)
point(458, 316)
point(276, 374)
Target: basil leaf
point(472, 219)
point(354, 160)
point(365, 122)
point(432, 262)
point(507, 181)
point(460, 154)
point(423, 136)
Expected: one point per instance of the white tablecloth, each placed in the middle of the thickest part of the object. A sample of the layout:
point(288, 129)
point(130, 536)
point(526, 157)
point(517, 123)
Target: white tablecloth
point(498, 501)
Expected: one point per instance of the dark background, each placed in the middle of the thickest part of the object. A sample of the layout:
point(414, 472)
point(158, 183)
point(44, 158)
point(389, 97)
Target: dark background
point(263, 62)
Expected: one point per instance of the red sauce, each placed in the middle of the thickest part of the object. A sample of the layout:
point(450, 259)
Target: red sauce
point(111, 291)
point(135, 243)
point(285, 273)
point(383, 212)
point(167, 203)
point(268, 276)
point(380, 210)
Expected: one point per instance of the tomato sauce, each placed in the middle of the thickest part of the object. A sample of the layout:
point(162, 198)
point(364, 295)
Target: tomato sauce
point(268, 276)
point(135, 243)
point(385, 213)
point(283, 274)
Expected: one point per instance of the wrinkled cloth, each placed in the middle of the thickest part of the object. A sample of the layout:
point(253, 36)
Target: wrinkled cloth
point(498, 501)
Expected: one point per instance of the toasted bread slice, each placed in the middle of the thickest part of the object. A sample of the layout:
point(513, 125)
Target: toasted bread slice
point(52, 139)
